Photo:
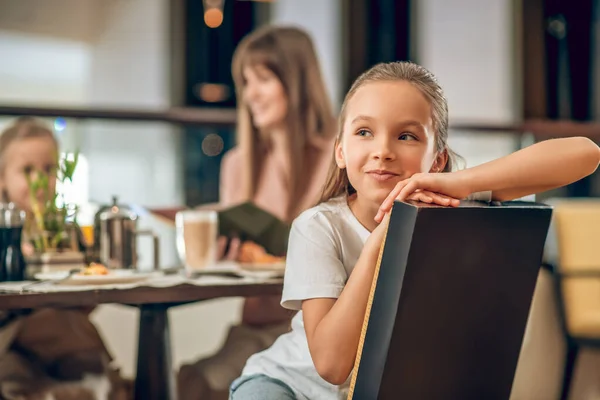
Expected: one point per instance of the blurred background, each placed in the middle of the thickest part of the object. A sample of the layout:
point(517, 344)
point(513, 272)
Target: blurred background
point(143, 89)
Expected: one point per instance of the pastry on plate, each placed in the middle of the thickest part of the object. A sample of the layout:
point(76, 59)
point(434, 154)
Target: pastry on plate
point(95, 269)
point(252, 253)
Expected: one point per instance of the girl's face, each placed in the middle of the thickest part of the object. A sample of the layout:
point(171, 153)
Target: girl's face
point(265, 97)
point(25, 157)
point(387, 137)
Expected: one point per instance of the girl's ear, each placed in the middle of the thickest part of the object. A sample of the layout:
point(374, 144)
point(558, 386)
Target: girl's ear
point(440, 162)
point(339, 155)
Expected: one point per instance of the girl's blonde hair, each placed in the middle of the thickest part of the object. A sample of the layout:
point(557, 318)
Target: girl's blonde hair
point(289, 53)
point(337, 180)
point(23, 128)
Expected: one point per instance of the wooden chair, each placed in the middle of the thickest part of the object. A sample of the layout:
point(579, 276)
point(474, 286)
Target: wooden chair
point(573, 255)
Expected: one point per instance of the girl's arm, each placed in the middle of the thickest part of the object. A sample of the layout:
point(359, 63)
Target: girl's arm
point(534, 169)
point(333, 326)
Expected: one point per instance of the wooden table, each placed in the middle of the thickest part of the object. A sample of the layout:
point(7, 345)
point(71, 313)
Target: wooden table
point(154, 376)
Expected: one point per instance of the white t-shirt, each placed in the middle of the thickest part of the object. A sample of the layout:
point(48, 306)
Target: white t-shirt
point(325, 244)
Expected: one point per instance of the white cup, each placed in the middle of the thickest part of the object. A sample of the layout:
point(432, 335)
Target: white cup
point(196, 238)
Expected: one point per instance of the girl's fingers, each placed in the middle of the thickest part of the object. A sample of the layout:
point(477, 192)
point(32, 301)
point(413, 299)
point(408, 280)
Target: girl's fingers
point(389, 200)
point(434, 198)
point(387, 204)
point(407, 190)
point(439, 199)
point(454, 202)
point(421, 196)
point(444, 200)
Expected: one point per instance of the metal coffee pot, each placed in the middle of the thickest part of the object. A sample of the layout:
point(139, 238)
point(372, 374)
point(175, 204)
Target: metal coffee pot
point(115, 236)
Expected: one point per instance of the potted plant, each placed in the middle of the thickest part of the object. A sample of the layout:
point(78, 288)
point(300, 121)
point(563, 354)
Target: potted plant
point(52, 227)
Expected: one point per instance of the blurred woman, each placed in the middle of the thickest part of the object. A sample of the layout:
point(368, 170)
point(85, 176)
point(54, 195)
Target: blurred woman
point(286, 130)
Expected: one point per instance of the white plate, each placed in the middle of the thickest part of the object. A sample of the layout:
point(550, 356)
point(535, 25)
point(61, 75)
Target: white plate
point(262, 274)
point(243, 270)
point(113, 277)
point(267, 267)
point(224, 267)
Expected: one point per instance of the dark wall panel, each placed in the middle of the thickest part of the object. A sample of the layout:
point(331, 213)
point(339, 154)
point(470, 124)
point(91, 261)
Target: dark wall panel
point(208, 83)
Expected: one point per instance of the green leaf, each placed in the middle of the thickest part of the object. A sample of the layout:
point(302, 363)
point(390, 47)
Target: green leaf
point(69, 166)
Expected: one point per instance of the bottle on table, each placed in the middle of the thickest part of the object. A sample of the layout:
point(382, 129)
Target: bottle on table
point(12, 262)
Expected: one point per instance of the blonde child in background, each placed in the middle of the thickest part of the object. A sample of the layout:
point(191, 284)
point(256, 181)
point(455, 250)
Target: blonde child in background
point(392, 145)
point(48, 351)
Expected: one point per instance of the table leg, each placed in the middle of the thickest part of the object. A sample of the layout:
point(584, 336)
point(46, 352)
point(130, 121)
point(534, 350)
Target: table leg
point(154, 378)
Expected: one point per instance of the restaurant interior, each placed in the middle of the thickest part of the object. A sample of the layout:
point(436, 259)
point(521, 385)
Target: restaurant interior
point(140, 98)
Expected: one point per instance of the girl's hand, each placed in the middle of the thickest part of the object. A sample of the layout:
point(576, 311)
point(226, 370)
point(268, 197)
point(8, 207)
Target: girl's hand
point(376, 238)
point(435, 188)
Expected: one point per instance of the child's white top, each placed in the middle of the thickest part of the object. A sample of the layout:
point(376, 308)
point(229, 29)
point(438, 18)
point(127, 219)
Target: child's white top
point(325, 243)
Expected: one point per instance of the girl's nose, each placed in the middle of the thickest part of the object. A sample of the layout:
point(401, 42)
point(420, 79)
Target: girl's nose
point(383, 150)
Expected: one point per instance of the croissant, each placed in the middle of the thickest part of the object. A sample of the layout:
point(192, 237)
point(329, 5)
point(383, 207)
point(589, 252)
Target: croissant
point(253, 253)
point(95, 269)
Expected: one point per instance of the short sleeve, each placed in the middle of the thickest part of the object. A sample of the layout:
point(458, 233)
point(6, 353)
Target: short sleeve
point(313, 265)
point(481, 196)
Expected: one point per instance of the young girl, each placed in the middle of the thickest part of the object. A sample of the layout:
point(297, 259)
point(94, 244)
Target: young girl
point(49, 351)
point(392, 145)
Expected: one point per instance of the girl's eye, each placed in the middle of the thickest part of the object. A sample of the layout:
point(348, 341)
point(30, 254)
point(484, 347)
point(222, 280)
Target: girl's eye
point(363, 132)
point(407, 136)
point(27, 170)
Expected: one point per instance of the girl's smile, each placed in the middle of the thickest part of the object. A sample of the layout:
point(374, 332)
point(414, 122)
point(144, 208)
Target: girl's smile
point(382, 175)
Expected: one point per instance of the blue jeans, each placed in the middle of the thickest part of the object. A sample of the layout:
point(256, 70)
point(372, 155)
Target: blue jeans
point(260, 387)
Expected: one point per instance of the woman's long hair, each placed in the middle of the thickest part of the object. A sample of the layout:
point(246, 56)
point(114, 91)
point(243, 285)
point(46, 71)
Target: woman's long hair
point(289, 53)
